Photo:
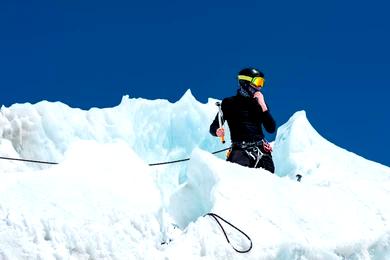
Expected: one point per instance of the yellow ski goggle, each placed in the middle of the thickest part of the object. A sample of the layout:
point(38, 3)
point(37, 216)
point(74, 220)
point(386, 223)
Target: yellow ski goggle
point(258, 82)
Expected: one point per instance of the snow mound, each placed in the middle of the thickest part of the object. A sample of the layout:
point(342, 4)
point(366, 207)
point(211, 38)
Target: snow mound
point(103, 200)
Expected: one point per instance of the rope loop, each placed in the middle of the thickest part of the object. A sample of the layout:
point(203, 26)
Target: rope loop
point(216, 217)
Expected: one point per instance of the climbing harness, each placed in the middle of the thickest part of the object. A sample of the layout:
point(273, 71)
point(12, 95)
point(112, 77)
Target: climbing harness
point(255, 154)
point(252, 149)
point(216, 217)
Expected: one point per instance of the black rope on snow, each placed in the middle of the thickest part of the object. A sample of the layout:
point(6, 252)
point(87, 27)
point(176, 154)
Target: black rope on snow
point(162, 163)
point(215, 216)
point(151, 164)
point(186, 159)
point(25, 160)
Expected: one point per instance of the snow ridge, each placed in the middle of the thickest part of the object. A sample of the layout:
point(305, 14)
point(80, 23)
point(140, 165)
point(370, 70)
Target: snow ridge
point(103, 201)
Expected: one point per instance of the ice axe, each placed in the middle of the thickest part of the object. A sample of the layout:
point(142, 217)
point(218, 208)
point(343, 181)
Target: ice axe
point(220, 120)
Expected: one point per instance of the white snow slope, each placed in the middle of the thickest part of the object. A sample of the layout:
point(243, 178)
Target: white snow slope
point(103, 201)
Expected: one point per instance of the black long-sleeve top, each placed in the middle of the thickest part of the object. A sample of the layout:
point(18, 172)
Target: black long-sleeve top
point(245, 118)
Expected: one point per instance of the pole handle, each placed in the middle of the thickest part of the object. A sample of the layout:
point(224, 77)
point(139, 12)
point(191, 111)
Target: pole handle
point(218, 104)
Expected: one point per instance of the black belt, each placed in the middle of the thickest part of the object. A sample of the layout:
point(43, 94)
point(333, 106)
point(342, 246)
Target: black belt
point(243, 144)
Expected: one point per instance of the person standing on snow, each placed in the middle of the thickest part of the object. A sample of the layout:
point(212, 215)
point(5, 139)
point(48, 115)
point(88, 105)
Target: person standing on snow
point(246, 113)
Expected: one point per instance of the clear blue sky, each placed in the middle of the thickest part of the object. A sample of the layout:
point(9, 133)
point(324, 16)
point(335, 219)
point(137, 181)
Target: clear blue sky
point(330, 58)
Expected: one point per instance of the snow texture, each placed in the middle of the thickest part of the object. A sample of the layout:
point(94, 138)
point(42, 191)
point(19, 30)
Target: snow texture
point(103, 200)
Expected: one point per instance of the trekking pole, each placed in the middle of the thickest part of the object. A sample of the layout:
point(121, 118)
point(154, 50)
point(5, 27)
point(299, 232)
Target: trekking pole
point(220, 120)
